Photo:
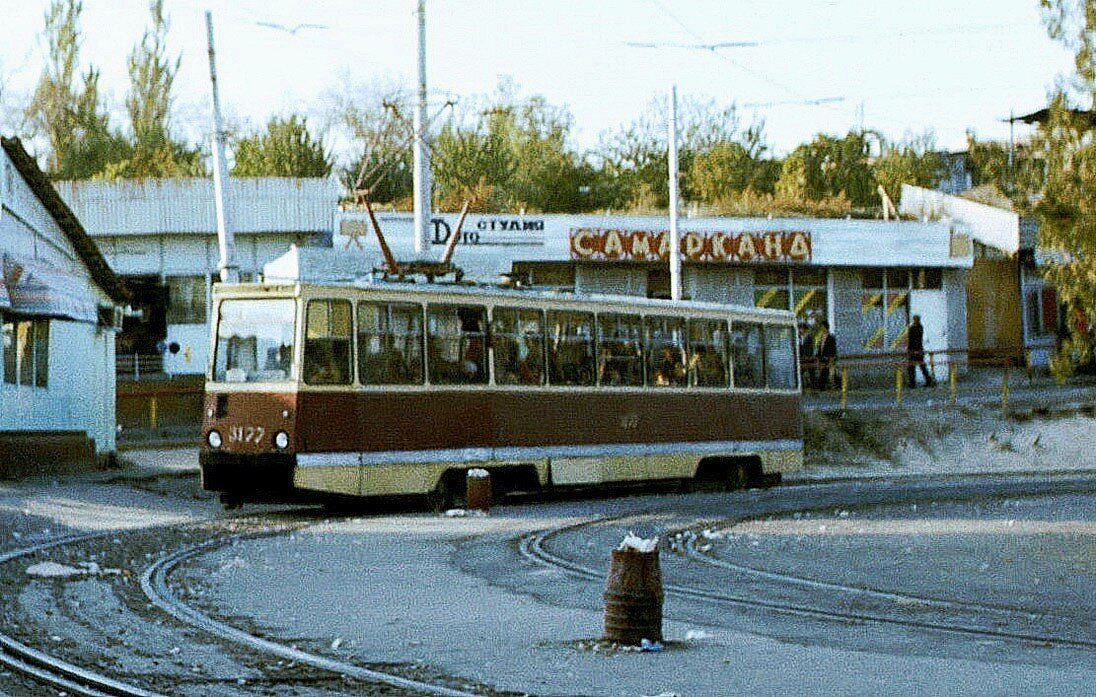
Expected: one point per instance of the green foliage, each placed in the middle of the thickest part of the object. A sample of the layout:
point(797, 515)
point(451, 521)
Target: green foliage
point(374, 119)
point(914, 161)
point(152, 74)
point(728, 169)
point(829, 166)
point(287, 149)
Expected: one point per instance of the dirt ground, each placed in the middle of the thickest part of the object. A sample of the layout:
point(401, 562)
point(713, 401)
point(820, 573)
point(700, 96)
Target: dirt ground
point(959, 440)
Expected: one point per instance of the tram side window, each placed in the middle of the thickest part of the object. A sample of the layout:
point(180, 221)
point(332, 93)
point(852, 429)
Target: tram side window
point(457, 344)
point(780, 369)
point(707, 365)
point(390, 343)
point(570, 348)
point(255, 340)
point(327, 343)
point(518, 339)
point(665, 351)
point(748, 354)
point(620, 350)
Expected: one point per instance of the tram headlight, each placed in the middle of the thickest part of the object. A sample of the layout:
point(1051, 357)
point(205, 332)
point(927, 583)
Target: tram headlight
point(281, 440)
point(214, 439)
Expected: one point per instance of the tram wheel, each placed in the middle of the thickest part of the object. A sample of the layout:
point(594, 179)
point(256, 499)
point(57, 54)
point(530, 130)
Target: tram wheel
point(442, 498)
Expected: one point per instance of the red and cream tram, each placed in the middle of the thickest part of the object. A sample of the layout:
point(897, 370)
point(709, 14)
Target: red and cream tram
point(396, 388)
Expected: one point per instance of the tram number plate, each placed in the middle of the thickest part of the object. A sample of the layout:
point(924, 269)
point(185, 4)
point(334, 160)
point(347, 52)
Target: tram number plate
point(246, 434)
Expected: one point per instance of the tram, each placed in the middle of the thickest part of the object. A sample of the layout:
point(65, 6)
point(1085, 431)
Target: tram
point(389, 389)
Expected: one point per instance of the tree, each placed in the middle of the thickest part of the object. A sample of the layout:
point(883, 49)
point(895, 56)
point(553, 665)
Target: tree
point(915, 161)
point(830, 167)
point(152, 74)
point(728, 169)
point(287, 149)
point(372, 117)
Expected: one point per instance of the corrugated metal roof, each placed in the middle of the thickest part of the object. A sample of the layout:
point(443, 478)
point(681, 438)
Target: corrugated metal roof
point(166, 206)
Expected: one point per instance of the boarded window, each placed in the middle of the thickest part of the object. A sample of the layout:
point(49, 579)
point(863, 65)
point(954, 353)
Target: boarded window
point(390, 343)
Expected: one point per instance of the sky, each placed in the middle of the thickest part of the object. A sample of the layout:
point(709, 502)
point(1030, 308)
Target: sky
point(899, 67)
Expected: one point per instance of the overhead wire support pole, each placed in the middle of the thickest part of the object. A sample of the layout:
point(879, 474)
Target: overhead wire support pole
point(675, 237)
point(421, 172)
point(226, 240)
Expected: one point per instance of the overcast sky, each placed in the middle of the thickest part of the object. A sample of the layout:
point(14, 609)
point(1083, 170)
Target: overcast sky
point(900, 66)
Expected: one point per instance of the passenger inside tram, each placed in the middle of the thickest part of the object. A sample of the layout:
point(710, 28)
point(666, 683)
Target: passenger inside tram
point(670, 370)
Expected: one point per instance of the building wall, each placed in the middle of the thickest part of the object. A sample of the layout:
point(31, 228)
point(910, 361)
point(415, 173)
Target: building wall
point(79, 395)
point(993, 306)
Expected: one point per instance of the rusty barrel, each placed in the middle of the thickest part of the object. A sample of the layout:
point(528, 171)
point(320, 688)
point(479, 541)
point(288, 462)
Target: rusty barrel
point(477, 492)
point(633, 597)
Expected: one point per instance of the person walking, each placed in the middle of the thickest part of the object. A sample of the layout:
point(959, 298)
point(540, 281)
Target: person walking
point(915, 354)
point(827, 356)
point(806, 356)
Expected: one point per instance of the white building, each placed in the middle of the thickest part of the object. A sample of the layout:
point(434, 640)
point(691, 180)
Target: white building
point(59, 306)
point(866, 278)
point(160, 236)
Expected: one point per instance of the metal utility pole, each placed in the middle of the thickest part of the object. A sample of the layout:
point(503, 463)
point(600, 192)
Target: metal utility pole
point(675, 237)
point(421, 174)
point(226, 241)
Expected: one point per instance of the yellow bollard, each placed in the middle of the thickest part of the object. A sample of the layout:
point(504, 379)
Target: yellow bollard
point(152, 420)
point(898, 386)
point(844, 387)
point(951, 381)
point(1004, 391)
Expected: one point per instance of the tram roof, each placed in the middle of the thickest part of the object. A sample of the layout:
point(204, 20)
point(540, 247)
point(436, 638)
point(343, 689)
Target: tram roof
point(486, 292)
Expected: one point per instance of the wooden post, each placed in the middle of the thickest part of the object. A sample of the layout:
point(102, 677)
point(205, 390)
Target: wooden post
point(951, 380)
point(844, 387)
point(898, 386)
point(153, 417)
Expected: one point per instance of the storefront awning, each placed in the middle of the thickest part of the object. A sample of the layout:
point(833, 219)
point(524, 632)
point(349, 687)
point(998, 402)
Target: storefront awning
point(35, 289)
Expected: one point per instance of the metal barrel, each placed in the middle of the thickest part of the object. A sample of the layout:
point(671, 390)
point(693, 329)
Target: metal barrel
point(633, 597)
point(477, 492)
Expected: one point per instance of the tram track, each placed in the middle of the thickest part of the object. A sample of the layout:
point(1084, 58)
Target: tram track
point(826, 601)
point(51, 669)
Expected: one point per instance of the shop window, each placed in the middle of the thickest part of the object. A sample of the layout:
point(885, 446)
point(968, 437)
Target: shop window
point(928, 279)
point(665, 343)
point(390, 343)
point(186, 300)
point(772, 288)
point(518, 340)
point(327, 343)
point(707, 366)
point(457, 344)
point(1041, 307)
point(620, 350)
point(809, 296)
point(747, 354)
point(884, 310)
point(26, 352)
point(570, 348)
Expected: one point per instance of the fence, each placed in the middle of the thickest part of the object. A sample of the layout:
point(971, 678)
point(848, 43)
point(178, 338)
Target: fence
point(135, 366)
point(873, 370)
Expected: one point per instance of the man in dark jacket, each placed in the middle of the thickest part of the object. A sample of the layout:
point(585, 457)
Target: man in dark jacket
point(915, 354)
point(827, 356)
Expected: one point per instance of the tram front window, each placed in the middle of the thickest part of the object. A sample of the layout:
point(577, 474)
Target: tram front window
point(254, 341)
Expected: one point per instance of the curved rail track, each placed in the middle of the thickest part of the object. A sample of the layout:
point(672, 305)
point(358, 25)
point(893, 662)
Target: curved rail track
point(56, 672)
point(825, 600)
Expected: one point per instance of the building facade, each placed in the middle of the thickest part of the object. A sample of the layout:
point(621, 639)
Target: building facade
point(60, 304)
point(866, 278)
point(160, 236)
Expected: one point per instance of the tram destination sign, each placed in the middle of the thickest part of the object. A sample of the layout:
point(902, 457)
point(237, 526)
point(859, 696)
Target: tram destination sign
point(609, 244)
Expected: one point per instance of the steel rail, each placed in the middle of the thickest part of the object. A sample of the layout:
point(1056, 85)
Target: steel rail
point(155, 586)
point(532, 547)
point(29, 662)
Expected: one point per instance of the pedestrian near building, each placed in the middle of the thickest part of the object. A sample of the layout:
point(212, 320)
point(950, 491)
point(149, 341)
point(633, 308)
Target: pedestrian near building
point(827, 356)
point(806, 356)
point(915, 354)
